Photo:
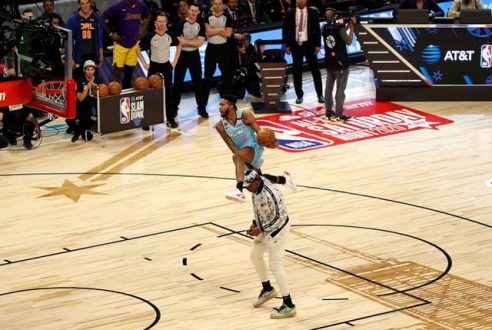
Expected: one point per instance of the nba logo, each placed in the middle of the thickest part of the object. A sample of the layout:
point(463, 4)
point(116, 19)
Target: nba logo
point(486, 56)
point(124, 110)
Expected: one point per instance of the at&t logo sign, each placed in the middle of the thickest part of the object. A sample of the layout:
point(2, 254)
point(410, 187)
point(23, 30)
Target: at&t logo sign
point(459, 55)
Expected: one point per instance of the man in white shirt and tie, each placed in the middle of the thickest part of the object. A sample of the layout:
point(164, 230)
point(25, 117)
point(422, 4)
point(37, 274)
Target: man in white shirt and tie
point(302, 36)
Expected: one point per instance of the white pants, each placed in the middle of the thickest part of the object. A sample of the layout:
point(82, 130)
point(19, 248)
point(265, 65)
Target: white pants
point(276, 251)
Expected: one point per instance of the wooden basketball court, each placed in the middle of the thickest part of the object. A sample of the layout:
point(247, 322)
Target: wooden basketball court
point(135, 233)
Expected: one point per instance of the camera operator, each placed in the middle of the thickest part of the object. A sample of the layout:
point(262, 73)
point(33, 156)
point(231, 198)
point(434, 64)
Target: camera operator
point(336, 40)
point(16, 119)
point(245, 76)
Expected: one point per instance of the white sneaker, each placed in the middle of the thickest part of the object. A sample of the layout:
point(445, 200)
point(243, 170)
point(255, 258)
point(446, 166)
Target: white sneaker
point(264, 297)
point(237, 196)
point(283, 312)
point(289, 182)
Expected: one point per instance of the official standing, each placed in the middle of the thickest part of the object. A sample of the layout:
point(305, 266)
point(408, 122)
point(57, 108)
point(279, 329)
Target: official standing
point(302, 37)
point(191, 36)
point(159, 42)
point(218, 28)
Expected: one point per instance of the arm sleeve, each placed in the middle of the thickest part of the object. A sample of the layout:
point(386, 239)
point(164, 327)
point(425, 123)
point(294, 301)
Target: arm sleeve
point(111, 11)
point(201, 33)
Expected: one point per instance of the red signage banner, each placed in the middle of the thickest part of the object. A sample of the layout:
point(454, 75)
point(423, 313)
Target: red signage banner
point(13, 92)
point(308, 129)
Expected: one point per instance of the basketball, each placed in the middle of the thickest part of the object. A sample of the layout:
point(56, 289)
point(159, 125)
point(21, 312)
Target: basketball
point(114, 88)
point(103, 90)
point(155, 81)
point(266, 137)
point(141, 83)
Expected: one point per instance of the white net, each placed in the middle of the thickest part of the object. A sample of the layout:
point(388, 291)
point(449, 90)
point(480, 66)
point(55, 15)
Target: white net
point(52, 92)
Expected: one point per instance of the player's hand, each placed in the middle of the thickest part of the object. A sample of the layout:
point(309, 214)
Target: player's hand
point(116, 37)
point(253, 230)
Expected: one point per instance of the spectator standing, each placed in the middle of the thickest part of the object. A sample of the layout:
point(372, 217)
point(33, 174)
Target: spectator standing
point(87, 37)
point(278, 8)
point(302, 37)
point(129, 16)
point(255, 11)
point(49, 13)
point(236, 14)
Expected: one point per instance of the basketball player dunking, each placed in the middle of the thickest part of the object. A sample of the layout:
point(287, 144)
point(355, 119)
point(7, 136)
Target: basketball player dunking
point(238, 129)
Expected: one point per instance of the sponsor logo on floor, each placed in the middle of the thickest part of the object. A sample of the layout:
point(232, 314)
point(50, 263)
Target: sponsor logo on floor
point(307, 129)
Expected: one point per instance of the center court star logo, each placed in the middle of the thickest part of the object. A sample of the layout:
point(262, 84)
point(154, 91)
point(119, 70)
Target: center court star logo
point(71, 190)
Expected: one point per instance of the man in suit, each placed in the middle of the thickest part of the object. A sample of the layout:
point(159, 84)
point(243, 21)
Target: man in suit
point(302, 37)
point(254, 10)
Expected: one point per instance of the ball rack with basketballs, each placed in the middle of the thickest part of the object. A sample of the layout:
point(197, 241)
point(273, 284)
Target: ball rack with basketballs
point(119, 110)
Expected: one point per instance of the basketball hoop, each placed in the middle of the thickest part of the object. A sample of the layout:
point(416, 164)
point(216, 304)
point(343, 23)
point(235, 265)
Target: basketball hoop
point(56, 97)
point(52, 92)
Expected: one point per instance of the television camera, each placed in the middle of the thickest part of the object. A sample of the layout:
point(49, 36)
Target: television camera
point(44, 40)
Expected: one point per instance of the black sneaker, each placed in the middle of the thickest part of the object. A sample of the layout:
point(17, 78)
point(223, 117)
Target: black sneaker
point(203, 113)
point(13, 140)
point(87, 136)
point(75, 137)
point(345, 117)
point(146, 128)
point(171, 124)
point(330, 116)
point(27, 144)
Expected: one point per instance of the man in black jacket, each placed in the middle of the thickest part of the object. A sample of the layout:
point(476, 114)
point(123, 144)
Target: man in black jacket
point(302, 37)
point(336, 40)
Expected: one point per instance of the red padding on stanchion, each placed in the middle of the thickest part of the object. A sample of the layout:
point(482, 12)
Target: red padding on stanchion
point(15, 92)
point(70, 98)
